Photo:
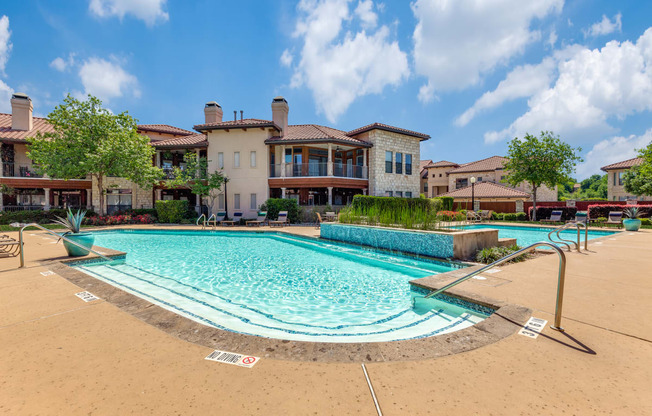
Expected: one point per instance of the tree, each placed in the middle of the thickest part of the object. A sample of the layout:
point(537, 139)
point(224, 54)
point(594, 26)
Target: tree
point(90, 140)
point(543, 160)
point(638, 179)
point(196, 176)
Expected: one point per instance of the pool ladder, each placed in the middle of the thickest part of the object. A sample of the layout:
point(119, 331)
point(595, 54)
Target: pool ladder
point(560, 278)
point(206, 221)
point(566, 226)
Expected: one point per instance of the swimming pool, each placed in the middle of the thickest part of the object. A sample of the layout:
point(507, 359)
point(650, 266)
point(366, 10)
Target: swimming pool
point(281, 286)
point(529, 235)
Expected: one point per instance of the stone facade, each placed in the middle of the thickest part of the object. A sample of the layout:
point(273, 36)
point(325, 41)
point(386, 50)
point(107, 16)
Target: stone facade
point(140, 198)
point(616, 187)
point(544, 193)
point(380, 182)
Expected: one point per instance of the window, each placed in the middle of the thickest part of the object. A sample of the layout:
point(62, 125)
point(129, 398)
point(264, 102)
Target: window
point(236, 159)
point(399, 194)
point(388, 193)
point(621, 182)
point(461, 183)
point(399, 162)
point(252, 157)
point(220, 160)
point(118, 200)
point(236, 201)
point(440, 175)
point(434, 176)
point(388, 163)
point(479, 179)
point(614, 180)
point(253, 204)
point(425, 187)
point(408, 164)
point(220, 201)
point(408, 194)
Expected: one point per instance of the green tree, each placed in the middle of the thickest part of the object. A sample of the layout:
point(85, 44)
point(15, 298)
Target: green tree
point(196, 176)
point(89, 140)
point(543, 160)
point(638, 179)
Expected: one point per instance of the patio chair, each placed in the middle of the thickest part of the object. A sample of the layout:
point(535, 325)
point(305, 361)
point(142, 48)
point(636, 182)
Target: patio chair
point(281, 220)
point(330, 216)
point(261, 219)
point(237, 216)
point(580, 216)
point(615, 217)
point(9, 247)
point(319, 220)
point(473, 216)
point(219, 217)
point(486, 214)
point(555, 216)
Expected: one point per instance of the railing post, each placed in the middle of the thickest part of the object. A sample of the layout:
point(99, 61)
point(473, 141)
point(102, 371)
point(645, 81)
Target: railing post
point(560, 292)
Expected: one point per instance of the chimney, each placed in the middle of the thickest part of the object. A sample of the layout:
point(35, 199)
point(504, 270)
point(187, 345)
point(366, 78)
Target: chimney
point(241, 115)
point(280, 110)
point(235, 115)
point(21, 112)
point(212, 112)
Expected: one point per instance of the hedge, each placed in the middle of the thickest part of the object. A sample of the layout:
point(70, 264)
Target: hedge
point(38, 216)
point(171, 211)
point(446, 202)
point(543, 213)
point(603, 210)
point(392, 203)
point(509, 216)
point(275, 205)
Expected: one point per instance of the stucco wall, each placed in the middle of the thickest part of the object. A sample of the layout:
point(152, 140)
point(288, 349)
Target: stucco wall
point(381, 182)
point(543, 193)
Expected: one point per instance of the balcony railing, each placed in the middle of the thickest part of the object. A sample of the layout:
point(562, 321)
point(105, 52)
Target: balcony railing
point(24, 171)
point(303, 170)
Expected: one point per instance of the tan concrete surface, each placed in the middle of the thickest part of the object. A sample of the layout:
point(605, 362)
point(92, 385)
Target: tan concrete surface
point(63, 356)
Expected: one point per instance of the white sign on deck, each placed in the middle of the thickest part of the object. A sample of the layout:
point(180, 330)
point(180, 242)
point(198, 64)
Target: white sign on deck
point(86, 296)
point(533, 327)
point(233, 358)
point(47, 273)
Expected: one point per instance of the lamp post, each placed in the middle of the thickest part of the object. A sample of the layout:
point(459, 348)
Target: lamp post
point(472, 193)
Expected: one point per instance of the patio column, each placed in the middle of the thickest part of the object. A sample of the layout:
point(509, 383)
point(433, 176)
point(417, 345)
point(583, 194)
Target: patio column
point(365, 191)
point(89, 200)
point(329, 165)
point(283, 193)
point(365, 169)
point(159, 194)
point(330, 195)
point(283, 165)
point(47, 199)
point(158, 158)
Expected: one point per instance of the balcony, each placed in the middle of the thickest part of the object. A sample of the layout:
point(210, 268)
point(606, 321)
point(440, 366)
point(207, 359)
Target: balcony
point(24, 171)
point(308, 170)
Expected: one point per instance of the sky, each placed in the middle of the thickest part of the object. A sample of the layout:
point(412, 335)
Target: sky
point(473, 74)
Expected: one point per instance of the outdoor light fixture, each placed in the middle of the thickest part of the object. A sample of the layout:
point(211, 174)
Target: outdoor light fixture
point(472, 192)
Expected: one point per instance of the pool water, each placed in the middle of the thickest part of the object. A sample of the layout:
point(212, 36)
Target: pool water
point(529, 235)
point(281, 286)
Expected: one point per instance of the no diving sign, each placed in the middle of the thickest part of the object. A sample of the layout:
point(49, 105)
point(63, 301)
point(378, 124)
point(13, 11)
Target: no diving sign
point(233, 358)
point(533, 327)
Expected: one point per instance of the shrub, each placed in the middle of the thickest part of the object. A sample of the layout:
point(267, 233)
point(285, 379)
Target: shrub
point(171, 211)
point(492, 254)
point(451, 216)
point(275, 205)
point(391, 203)
point(567, 213)
point(100, 220)
point(646, 221)
point(446, 201)
point(603, 210)
point(40, 216)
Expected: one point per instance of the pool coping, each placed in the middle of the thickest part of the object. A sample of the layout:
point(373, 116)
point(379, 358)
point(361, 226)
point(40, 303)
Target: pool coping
point(504, 322)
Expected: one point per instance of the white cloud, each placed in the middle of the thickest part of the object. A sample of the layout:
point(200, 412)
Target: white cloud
point(340, 65)
point(106, 80)
point(5, 97)
point(365, 12)
point(592, 87)
point(150, 11)
point(286, 58)
point(612, 150)
point(61, 64)
point(605, 26)
point(5, 45)
point(455, 42)
point(552, 38)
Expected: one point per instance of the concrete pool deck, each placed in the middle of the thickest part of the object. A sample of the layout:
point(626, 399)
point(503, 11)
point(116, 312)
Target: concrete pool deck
point(64, 356)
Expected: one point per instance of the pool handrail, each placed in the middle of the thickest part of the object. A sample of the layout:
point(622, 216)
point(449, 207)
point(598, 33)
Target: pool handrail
point(204, 223)
point(565, 227)
point(559, 242)
point(212, 217)
point(33, 224)
point(560, 279)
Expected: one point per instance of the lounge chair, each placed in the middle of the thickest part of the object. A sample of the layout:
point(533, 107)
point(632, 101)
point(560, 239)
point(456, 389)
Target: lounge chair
point(9, 247)
point(330, 216)
point(319, 220)
point(615, 217)
point(281, 220)
point(261, 219)
point(580, 216)
point(485, 214)
point(555, 216)
point(214, 220)
point(473, 216)
point(237, 216)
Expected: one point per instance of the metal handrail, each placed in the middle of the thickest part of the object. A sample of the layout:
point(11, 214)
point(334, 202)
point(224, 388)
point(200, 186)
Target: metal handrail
point(586, 234)
point(20, 239)
point(558, 242)
point(214, 218)
point(565, 227)
point(532, 247)
point(204, 224)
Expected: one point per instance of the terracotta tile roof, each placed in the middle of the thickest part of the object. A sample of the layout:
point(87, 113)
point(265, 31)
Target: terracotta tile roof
point(422, 167)
point(313, 133)
point(488, 190)
point(165, 128)
point(624, 164)
point(195, 140)
point(386, 127)
point(442, 164)
point(237, 124)
point(6, 133)
point(488, 164)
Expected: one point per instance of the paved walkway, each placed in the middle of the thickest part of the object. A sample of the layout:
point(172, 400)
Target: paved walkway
point(63, 356)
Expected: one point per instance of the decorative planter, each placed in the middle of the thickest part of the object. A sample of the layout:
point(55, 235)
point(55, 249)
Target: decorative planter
point(632, 224)
point(85, 239)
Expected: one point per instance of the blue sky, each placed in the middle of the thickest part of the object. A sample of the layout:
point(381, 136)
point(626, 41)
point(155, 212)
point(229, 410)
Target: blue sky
point(470, 73)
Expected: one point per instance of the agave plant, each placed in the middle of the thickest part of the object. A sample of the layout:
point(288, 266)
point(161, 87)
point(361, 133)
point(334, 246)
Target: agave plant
point(632, 212)
point(73, 221)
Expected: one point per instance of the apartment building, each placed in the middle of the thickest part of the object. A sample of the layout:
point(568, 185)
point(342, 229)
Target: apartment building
point(616, 183)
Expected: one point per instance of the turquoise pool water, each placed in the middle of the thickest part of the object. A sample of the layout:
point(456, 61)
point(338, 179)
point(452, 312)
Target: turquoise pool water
point(529, 235)
point(280, 286)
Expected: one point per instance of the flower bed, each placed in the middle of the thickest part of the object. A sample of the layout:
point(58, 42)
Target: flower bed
point(603, 210)
point(119, 219)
